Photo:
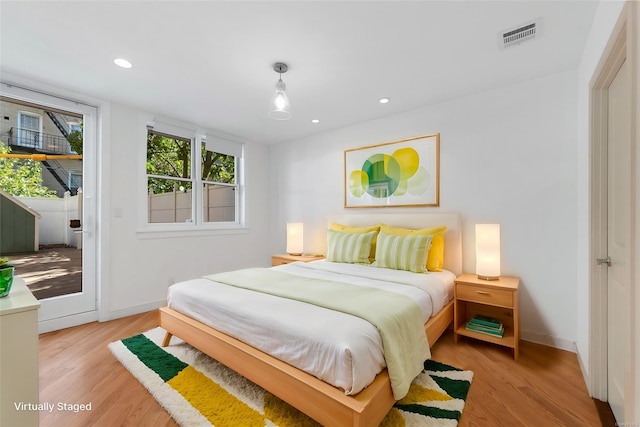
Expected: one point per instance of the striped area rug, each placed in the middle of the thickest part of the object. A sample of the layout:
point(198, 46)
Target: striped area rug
point(198, 391)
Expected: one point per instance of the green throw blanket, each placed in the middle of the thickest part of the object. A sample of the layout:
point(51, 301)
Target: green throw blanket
point(397, 317)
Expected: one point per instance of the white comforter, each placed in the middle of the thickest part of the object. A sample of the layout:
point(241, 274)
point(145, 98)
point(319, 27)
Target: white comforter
point(340, 349)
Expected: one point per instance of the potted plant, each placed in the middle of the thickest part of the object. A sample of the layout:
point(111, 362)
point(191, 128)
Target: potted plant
point(6, 276)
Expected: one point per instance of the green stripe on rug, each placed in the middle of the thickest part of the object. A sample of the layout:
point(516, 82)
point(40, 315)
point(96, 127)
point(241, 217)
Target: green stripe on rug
point(156, 359)
point(432, 365)
point(201, 391)
point(454, 388)
point(430, 411)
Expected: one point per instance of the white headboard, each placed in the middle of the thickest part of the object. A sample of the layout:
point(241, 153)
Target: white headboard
point(452, 237)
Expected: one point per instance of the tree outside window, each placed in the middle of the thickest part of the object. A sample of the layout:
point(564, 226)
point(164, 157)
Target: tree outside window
point(22, 177)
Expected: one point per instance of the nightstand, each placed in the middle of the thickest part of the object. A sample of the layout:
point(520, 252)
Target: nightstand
point(493, 298)
point(286, 258)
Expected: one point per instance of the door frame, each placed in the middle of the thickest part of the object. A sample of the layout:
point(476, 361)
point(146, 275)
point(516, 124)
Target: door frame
point(621, 47)
point(23, 89)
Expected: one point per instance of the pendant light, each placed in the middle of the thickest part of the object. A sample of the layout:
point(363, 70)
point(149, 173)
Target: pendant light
point(279, 109)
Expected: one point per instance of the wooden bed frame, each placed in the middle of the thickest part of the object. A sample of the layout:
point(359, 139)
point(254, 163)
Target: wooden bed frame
point(326, 404)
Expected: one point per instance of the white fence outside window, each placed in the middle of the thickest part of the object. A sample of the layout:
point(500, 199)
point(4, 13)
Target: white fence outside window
point(56, 214)
point(174, 207)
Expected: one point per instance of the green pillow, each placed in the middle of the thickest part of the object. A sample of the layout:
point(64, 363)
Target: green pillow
point(403, 252)
point(349, 247)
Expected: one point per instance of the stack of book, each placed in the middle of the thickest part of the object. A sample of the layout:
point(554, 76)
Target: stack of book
point(486, 325)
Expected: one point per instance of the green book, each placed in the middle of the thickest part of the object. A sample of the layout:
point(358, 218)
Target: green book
point(492, 334)
point(483, 325)
point(490, 331)
point(486, 321)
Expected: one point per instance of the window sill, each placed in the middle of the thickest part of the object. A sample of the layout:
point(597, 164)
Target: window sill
point(164, 232)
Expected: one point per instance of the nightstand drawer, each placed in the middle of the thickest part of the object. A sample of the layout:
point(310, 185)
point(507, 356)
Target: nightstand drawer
point(484, 295)
point(279, 261)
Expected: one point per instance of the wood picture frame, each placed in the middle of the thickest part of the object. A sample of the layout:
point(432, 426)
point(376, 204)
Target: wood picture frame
point(405, 172)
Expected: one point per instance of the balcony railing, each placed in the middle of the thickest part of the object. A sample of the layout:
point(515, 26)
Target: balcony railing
point(38, 141)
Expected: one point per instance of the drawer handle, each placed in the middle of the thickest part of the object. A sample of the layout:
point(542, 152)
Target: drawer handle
point(482, 292)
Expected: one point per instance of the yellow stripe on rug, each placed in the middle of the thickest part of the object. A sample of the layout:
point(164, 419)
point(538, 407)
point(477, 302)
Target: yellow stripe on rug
point(223, 408)
point(215, 403)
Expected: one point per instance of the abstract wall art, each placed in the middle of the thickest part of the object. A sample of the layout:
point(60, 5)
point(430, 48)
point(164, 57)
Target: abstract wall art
point(398, 173)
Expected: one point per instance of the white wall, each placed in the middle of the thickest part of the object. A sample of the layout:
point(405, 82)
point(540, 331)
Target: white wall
point(139, 269)
point(507, 156)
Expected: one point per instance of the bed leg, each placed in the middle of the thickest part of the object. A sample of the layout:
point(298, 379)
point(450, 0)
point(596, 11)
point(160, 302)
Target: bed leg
point(167, 338)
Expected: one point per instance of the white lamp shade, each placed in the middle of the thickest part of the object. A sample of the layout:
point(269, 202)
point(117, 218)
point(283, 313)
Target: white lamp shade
point(488, 251)
point(279, 109)
point(294, 238)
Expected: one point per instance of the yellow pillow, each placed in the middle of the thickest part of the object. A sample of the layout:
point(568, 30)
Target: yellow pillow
point(359, 230)
point(435, 259)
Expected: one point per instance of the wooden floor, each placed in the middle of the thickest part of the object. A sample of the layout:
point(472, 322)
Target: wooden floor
point(543, 388)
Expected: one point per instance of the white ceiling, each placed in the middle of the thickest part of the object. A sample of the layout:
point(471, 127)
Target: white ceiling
point(210, 63)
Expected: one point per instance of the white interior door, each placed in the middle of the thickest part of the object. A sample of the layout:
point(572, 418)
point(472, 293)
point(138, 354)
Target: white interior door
point(619, 239)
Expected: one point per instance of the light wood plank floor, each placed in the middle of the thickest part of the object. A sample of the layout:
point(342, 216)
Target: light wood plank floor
point(543, 388)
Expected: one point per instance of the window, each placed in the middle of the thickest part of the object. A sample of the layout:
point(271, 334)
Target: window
point(192, 179)
point(219, 186)
point(74, 181)
point(29, 130)
point(169, 183)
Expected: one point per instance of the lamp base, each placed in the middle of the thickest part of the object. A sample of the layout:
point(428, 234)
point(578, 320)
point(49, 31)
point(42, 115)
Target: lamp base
point(300, 254)
point(488, 277)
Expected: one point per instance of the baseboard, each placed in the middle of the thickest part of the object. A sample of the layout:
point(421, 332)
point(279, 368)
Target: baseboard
point(585, 373)
point(130, 311)
point(67, 321)
point(548, 340)
point(92, 316)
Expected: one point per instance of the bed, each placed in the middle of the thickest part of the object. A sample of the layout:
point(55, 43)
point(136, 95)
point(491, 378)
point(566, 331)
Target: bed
point(326, 403)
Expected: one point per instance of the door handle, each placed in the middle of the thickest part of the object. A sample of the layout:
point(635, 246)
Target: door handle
point(606, 260)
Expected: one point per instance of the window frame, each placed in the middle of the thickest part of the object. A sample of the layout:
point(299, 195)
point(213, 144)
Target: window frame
point(20, 122)
point(70, 179)
point(197, 226)
point(178, 179)
point(202, 182)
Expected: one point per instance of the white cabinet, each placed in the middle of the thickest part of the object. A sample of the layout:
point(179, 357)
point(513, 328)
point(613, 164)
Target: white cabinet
point(19, 357)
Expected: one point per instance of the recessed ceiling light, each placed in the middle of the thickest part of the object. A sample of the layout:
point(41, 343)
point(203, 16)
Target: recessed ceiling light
point(120, 62)
point(315, 121)
point(383, 100)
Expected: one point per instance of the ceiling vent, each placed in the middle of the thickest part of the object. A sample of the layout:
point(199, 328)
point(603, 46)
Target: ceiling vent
point(516, 35)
